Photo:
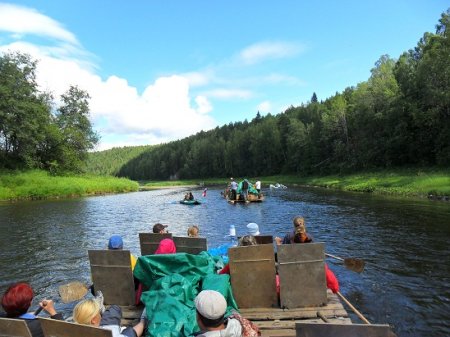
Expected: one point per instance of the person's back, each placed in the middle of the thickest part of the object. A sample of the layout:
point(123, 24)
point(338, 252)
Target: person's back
point(211, 307)
point(17, 300)
point(115, 242)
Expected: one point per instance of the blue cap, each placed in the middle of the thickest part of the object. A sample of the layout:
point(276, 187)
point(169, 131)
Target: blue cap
point(115, 242)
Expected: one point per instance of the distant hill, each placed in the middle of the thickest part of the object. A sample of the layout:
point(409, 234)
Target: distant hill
point(109, 162)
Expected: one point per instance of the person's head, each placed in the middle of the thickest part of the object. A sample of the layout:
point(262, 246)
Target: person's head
point(17, 299)
point(87, 312)
point(247, 240)
point(166, 246)
point(192, 231)
point(211, 307)
point(160, 228)
point(115, 242)
point(299, 229)
point(252, 229)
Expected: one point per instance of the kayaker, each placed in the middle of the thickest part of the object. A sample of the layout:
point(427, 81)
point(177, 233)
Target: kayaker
point(211, 307)
point(160, 229)
point(17, 300)
point(87, 312)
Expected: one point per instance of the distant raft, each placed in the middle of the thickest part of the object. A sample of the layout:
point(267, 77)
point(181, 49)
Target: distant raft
point(190, 202)
point(277, 186)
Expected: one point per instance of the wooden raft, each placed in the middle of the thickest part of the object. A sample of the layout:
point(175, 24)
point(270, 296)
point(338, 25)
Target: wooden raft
point(273, 321)
point(281, 322)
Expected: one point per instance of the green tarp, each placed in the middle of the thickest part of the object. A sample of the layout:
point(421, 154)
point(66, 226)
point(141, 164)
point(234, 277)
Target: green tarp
point(251, 187)
point(173, 281)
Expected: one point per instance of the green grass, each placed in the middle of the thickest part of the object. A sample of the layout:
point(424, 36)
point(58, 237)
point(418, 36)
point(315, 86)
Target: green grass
point(36, 184)
point(407, 182)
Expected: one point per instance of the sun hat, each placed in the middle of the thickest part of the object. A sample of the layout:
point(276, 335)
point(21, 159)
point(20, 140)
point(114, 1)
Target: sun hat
point(210, 304)
point(115, 242)
point(252, 229)
point(159, 227)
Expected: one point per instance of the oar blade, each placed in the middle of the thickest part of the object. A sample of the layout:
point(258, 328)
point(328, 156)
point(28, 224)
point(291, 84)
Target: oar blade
point(72, 291)
point(356, 265)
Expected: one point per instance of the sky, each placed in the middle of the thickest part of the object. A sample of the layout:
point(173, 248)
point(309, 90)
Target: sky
point(159, 71)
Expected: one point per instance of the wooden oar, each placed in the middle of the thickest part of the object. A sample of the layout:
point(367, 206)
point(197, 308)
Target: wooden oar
point(72, 291)
point(353, 308)
point(356, 265)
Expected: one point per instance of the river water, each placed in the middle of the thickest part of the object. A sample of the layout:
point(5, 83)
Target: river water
point(405, 243)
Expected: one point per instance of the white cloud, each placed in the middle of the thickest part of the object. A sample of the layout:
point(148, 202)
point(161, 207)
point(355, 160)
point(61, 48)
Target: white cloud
point(264, 107)
point(269, 50)
point(24, 20)
point(163, 112)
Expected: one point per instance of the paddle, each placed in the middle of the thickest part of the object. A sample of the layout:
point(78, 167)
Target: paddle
point(353, 308)
point(72, 291)
point(356, 265)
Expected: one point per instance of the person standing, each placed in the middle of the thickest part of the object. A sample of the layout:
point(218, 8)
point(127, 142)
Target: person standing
point(258, 186)
point(233, 187)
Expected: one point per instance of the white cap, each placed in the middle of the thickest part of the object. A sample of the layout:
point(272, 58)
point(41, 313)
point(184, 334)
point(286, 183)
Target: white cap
point(210, 304)
point(252, 229)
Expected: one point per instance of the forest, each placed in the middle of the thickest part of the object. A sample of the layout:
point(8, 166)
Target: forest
point(33, 133)
point(399, 117)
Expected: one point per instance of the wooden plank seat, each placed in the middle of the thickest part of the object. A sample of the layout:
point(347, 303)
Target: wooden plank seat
point(149, 242)
point(252, 272)
point(301, 268)
point(262, 239)
point(14, 328)
point(190, 245)
point(343, 330)
point(279, 322)
point(112, 275)
point(55, 328)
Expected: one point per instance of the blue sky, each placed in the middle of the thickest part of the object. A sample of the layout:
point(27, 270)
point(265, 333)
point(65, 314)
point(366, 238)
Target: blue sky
point(162, 70)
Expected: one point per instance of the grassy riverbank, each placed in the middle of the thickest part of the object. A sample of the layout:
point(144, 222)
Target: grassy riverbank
point(37, 184)
point(412, 183)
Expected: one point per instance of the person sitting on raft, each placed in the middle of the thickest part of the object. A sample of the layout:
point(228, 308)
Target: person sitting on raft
point(17, 300)
point(87, 312)
point(115, 242)
point(211, 306)
point(299, 235)
point(193, 231)
point(166, 246)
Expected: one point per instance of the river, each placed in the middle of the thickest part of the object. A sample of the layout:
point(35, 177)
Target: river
point(405, 243)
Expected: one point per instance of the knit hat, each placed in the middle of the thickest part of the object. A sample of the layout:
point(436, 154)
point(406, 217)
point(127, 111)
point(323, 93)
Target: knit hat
point(115, 242)
point(252, 229)
point(211, 304)
point(166, 246)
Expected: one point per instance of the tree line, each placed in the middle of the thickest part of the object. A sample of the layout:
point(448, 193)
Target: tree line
point(399, 117)
point(34, 133)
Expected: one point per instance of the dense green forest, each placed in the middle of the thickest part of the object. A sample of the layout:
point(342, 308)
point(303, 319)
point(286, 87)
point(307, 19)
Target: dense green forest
point(33, 133)
point(399, 117)
point(109, 162)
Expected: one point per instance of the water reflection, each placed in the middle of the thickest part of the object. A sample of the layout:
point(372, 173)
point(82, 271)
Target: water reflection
point(404, 242)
